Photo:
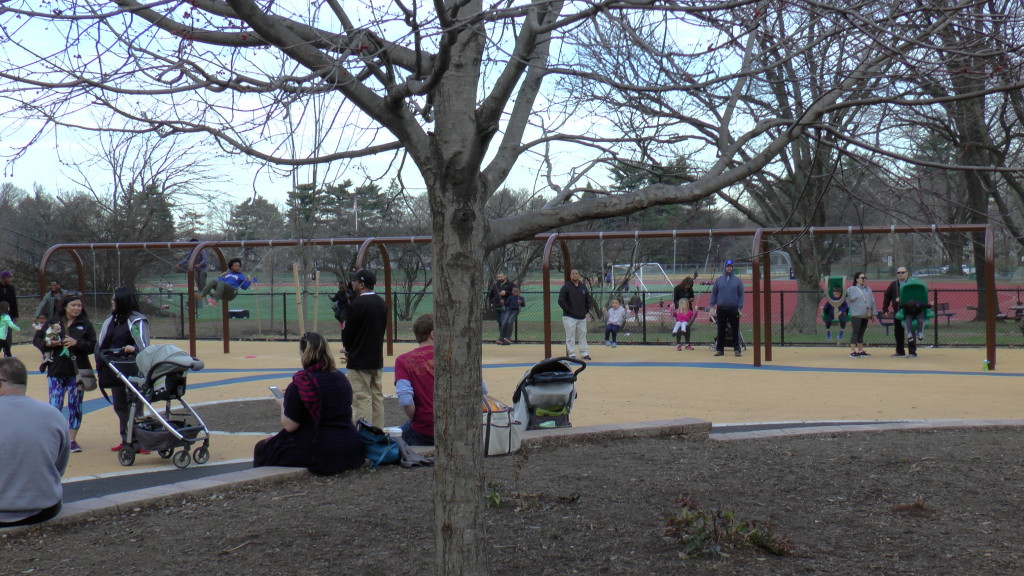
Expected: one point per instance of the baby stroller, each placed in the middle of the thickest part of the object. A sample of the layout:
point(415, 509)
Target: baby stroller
point(157, 374)
point(546, 394)
point(729, 337)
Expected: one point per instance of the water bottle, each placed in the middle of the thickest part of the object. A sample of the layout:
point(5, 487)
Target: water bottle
point(984, 366)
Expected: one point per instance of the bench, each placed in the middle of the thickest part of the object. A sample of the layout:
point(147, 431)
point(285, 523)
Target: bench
point(1018, 313)
point(885, 321)
point(942, 309)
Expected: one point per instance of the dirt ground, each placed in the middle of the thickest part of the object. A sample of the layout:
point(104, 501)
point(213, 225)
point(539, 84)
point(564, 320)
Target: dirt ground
point(910, 502)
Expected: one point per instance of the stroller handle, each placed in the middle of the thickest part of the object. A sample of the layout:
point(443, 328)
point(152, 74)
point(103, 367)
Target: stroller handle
point(568, 360)
point(114, 355)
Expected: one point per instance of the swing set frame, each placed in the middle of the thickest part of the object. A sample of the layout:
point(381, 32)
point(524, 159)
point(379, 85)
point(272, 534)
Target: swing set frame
point(760, 266)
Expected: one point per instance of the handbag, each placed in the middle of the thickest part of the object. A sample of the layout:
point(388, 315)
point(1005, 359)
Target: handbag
point(87, 380)
point(380, 448)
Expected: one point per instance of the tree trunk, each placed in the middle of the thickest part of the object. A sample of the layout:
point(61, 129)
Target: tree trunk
point(808, 269)
point(458, 470)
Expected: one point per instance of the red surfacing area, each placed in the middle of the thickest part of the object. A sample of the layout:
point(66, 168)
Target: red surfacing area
point(959, 298)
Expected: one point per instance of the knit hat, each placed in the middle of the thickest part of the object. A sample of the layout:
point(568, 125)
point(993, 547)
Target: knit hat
point(5, 274)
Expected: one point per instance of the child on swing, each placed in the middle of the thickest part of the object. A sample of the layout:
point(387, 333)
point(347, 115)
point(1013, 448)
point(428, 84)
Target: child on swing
point(227, 285)
point(616, 316)
point(684, 318)
point(835, 306)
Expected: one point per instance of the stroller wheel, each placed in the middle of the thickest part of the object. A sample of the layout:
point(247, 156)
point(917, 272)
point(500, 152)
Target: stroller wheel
point(126, 456)
point(182, 459)
point(165, 454)
point(201, 455)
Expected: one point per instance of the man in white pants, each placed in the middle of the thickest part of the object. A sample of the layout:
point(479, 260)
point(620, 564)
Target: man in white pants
point(575, 301)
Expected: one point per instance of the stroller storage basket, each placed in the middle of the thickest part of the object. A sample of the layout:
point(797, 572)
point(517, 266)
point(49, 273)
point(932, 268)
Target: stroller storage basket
point(152, 435)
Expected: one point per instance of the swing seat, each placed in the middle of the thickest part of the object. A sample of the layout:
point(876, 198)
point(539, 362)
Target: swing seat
point(832, 283)
point(915, 290)
point(928, 315)
point(238, 313)
point(840, 318)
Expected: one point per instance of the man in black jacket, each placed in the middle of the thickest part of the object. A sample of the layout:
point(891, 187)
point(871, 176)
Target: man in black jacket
point(891, 301)
point(575, 301)
point(498, 297)
point(363, 338)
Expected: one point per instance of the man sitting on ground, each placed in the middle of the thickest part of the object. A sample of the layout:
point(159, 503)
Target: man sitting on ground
point(34, 450)
point(414, 384)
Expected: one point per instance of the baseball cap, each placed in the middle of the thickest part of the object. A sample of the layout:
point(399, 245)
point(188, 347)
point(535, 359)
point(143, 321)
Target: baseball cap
point(366, 276)
point(728, 262)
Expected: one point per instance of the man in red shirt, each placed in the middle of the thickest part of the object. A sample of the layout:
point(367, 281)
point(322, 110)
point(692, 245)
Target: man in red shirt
point(414, 384)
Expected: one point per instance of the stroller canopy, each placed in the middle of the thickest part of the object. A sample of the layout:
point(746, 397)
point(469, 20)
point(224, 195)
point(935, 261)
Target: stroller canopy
point(163, 359)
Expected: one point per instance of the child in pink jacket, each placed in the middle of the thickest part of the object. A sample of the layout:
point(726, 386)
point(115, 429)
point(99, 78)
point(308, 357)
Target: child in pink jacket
point(684, 317)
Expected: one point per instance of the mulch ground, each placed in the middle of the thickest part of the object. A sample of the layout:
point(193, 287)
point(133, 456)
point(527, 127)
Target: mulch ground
point(908, 502)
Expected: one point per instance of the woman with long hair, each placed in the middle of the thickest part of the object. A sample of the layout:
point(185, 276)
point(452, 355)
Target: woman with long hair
point(316, 417)
point(125, 330)
point(862, 309)
point(66, 340)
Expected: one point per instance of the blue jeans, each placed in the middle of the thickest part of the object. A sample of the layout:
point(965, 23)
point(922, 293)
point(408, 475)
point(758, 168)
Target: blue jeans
point(412, 438)
point(508, 323)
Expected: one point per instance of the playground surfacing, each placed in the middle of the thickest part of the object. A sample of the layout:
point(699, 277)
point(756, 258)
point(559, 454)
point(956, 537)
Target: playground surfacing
point(624, 385)
point(909, 502)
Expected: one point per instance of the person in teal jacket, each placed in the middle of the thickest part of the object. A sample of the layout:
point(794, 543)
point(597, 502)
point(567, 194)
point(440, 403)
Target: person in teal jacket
point(6, 325)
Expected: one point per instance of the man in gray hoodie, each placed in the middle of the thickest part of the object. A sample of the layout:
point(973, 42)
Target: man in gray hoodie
point(727, 305)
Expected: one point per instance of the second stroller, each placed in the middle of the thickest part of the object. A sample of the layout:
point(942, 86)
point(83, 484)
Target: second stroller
point(158, 374)
point(546, 394)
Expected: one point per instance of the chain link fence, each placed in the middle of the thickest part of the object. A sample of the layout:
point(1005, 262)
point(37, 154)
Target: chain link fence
point(273, 316)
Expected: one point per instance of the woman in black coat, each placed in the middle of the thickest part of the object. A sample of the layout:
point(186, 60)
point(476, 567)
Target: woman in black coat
point(316, 417)
point(66, 341)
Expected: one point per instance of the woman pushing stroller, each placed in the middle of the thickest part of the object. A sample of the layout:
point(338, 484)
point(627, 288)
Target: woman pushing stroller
point(127, 330)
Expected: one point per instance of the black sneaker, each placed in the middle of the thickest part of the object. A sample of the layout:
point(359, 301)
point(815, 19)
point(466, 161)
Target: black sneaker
point(911, 355)
point(865, 354)
point(720, 353)
point(587, 357)
point(738, 354)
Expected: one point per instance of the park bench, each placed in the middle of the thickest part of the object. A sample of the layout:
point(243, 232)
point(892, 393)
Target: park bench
point(885, 321)
point(942, 309)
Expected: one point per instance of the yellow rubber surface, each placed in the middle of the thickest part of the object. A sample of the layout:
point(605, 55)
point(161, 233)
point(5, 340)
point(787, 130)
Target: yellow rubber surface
point(625, 384)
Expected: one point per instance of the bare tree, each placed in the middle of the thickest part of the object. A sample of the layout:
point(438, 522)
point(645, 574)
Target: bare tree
point(465, 91)
point(139, 182)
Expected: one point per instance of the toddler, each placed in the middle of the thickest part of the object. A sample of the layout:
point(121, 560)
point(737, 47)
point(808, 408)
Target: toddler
point(684, 317)
point(6, 325)
point(616, 317)
point(831, 310)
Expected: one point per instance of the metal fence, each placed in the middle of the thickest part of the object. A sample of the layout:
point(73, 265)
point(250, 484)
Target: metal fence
point(272, 316)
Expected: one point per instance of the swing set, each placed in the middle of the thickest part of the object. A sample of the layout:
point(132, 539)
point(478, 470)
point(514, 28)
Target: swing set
point(215, 247)
point(760, 267)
